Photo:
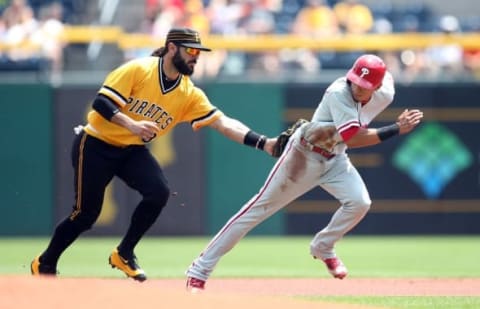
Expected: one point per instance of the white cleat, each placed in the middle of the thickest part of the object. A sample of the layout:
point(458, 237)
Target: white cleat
point(195, 285)
point(336, 267)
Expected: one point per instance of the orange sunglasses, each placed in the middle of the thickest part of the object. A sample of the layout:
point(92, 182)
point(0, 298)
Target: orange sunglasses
point(192, 51)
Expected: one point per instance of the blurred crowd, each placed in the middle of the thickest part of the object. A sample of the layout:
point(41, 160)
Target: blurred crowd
point(31, 37)
point(31, 33)
point(315, 19)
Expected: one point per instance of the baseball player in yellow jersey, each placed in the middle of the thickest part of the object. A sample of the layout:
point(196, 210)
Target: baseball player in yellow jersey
point(140, 100)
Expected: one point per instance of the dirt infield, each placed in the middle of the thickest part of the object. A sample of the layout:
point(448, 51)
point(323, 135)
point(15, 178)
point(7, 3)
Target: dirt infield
point(21, 292)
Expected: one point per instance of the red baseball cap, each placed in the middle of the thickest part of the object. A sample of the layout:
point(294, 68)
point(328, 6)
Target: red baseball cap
point(367, 72)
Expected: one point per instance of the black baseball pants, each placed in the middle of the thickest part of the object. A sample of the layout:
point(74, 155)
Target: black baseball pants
point(95, 163)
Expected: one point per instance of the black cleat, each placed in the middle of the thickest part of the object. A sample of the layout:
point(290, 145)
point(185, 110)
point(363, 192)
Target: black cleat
point(40, 269)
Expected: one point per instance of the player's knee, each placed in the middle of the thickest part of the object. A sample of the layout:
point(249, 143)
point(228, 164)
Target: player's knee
point(158, 196)
point(362, 204)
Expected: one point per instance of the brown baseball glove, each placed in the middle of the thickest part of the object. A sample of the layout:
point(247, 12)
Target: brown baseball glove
point(283, 138)
point(322, 135)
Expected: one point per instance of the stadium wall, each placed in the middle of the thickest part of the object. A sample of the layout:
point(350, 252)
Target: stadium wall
point(425, 182)
point(26, 156)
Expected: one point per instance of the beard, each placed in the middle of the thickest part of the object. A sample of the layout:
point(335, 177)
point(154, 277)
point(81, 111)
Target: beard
point(180, 64)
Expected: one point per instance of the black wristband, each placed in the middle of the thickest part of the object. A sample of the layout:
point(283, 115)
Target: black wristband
point(261, 142)
point(253, 139)
point(388, 131)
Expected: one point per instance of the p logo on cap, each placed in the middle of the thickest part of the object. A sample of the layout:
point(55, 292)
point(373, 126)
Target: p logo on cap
point(367, 72)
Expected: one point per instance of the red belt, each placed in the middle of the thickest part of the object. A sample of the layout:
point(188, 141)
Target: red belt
point(319, 150)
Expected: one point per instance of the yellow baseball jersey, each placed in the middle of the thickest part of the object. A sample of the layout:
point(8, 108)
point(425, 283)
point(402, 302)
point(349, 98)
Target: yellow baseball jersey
point(137, 88)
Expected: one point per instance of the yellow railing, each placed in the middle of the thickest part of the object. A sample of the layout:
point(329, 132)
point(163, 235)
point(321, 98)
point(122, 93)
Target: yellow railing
point(86, 34)
point(343, 43)
point(115, 35)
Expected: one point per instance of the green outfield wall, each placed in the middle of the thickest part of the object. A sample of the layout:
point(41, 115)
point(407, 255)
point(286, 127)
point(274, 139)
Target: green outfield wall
point(422, 183)
point(235, 172)
point(26, 156)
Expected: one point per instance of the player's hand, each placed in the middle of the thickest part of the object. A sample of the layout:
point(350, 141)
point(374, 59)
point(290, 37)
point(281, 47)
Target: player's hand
point(146, 130)
point(269, 144)
point(409, 119)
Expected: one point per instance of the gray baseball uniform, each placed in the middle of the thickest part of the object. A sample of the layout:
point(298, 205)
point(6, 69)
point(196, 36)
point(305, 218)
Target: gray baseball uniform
point(300, 169)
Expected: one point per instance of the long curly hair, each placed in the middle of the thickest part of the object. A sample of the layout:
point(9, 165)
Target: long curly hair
point(159, 52)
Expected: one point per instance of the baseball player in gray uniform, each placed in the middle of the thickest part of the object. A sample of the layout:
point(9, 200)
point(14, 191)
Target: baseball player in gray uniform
point(315, 156)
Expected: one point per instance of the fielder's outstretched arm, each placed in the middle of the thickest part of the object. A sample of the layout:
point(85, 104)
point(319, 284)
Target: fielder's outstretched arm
point(240, 133)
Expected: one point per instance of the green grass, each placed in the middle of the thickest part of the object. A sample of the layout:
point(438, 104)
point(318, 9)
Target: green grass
point(264, 256)
point(413, 256)
point(168, 257)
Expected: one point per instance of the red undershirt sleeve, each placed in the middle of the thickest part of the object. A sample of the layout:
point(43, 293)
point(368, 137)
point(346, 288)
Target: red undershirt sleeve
point(349, 133)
